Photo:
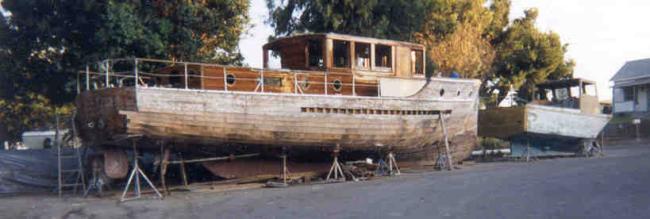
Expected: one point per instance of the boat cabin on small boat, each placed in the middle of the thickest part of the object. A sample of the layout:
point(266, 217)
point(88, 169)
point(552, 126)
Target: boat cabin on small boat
point(573, 93)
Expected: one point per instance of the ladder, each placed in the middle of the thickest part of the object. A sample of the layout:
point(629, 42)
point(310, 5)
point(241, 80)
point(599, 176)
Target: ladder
point(73, 177)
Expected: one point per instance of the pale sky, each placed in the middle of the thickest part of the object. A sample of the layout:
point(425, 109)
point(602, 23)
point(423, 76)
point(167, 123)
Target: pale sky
point(602, 34)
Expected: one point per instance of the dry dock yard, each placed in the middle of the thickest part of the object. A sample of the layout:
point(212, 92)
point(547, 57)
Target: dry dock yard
point(614, 186)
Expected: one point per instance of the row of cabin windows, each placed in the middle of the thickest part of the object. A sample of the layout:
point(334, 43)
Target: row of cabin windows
point(362, 60)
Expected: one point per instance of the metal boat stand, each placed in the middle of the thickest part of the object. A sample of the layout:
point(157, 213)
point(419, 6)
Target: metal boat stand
point(389, 165)
point(137, 173)
point(527, 151)
point(336, 172)
point(96, 183)
point(393, 169)
point(285, 169)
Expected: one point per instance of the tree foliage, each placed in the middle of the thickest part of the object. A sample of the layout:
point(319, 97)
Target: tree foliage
point(44, 43)
point(465, 45)
point(468, 36)
point(527, 56)
point(391, 19)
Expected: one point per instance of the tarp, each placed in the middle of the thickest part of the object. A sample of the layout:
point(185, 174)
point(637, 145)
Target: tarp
point(28, 171)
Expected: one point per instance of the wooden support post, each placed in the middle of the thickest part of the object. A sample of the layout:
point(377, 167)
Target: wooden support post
point(447, 149)
point(183, 173)
point(164, 162)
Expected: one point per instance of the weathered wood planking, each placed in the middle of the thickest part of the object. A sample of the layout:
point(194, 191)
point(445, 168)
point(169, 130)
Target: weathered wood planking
point(281, 119)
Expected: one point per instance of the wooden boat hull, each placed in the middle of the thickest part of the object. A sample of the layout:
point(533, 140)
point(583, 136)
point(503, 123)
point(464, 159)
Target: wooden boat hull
point(407, 125)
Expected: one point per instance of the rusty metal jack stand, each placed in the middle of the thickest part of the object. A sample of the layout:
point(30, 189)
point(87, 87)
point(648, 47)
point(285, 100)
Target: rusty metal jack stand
point(137, 173)
point(336, 167)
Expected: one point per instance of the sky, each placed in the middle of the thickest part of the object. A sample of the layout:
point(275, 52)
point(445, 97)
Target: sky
point(602, 34)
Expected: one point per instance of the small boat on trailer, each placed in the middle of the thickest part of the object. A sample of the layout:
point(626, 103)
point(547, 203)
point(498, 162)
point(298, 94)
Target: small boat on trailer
point(333, 92)
point(563, 119)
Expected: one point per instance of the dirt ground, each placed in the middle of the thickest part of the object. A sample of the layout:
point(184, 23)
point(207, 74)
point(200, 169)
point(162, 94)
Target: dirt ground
point(615, 186)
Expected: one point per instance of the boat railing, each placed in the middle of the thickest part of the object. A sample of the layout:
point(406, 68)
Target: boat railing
point(145, 72)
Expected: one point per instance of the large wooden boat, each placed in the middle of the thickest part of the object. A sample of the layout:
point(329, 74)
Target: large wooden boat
point(564, 119)
point(358, 93)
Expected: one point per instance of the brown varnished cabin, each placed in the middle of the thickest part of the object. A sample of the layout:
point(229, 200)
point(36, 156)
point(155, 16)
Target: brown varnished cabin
point(319, 64)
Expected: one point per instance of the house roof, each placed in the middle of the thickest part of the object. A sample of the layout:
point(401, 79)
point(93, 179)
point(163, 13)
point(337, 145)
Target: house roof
point(633, 70)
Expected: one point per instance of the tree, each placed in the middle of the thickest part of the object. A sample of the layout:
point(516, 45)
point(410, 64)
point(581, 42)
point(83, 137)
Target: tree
point(44, 43)
point(527, 56)
point(390, 19)
point(464, 43)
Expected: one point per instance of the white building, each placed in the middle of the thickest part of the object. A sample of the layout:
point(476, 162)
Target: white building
point(631, 88)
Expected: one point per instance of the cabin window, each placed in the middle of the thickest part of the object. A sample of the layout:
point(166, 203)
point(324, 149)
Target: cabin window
point(175, 79)
point(575, 91)
point(315, 53)
point(337, 84)
point(341, 54)
point(362, 51)
point(383, 57)
point(561, 94)
point(590, 90)
point(274, 59)
point(230, 79)
point(546, 94)
point(417, 62)
point(628, 93)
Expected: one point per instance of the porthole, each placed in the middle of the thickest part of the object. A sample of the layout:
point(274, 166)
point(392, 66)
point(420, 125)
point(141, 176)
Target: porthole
point(458, 93)
point(230, 79)
point(470, 93)
point(337, 85)
point(442, 92)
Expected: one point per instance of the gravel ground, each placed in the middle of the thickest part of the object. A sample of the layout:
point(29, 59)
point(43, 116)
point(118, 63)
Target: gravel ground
point(615, 186)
